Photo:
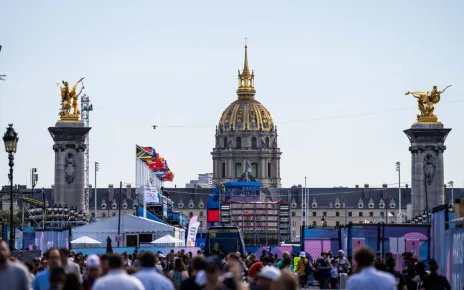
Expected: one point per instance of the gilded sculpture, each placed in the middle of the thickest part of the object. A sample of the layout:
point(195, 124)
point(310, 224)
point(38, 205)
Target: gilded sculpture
point(426, 103)
point(69, 100)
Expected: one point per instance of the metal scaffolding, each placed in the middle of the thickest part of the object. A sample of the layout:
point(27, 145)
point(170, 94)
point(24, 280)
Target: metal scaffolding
point(261, 222)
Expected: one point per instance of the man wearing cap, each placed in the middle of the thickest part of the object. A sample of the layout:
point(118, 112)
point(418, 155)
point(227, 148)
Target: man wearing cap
point(93, 271)
point(301, 269)
point(343, 265)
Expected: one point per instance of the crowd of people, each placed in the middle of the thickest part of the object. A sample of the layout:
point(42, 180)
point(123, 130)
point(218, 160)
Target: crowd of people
point(61, 269)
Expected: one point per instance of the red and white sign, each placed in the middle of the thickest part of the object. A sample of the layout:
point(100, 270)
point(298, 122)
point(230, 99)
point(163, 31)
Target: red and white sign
point(118, 239)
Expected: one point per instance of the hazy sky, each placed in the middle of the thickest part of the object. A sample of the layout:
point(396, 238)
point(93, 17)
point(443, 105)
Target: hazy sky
point(332, 73)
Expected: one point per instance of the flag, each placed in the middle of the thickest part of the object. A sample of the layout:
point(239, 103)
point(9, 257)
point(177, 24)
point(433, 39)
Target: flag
point(151, 196)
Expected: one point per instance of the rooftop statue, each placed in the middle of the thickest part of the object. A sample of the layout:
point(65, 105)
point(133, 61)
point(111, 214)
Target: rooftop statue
point(69, 100)
point(426, 103)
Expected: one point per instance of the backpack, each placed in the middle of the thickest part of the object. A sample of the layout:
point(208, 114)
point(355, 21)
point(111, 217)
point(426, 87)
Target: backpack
point(308, 267)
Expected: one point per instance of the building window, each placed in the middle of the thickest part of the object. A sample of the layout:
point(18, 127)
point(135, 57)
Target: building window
point(314, 213)
point(223, 173)
point(254, 143)
point(350, 213)
point(103, 214)
point(191, 214)
point(360, 213)
point(225, 142)
point(337, 213)
point(269, 170)
point(238, 143)
point(293, 213)
point(114, 214)
point(392, 213)
point(371, 213)
point(381, 214)
point(324, 213)
point(267, 142)
point(145, 238)
point(238, 169)
point(201, 213)
point(254, 169)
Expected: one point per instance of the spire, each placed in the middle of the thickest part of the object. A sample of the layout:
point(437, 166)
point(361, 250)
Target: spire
point(245, 64)
point(246, 80)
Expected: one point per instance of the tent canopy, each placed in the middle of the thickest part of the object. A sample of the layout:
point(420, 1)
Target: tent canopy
point(129, 224)
point(85, 240)
point(167, 239)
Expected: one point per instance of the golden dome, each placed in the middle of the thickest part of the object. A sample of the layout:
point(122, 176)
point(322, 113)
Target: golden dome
point(246, 113)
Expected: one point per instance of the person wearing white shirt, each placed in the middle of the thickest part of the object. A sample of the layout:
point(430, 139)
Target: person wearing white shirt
point(149, 276)
point(117, 278)
point(367, 277)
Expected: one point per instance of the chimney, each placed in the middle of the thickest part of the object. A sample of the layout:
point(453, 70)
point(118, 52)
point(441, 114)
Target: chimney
point(366, 191)
point(129, 190)
point(356, 186)
point(385, 192)
point(110, 192)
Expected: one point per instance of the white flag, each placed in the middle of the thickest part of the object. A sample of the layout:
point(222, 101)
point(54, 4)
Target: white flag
point(192, 234)
point(151, 196)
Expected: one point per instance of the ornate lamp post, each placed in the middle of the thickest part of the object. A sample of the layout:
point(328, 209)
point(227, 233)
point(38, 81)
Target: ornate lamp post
point(11, 142)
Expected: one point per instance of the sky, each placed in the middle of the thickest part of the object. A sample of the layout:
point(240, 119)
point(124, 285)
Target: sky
point(333, 74)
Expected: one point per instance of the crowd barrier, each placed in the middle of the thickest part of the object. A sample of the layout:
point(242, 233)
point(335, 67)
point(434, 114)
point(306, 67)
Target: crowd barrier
point(394, 238)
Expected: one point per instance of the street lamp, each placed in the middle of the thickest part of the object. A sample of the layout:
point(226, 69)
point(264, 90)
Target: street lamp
point(11, 142)
point(398, 168)
point(451, 183)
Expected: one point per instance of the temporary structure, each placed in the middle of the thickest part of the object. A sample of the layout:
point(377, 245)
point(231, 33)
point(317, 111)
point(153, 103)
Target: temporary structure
point(85, 240)
point(167, 239)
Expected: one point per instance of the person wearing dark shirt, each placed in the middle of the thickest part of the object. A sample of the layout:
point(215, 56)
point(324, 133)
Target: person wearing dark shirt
point(434, 281)
point(379, 265)
point(198, 264)
point(400, 280)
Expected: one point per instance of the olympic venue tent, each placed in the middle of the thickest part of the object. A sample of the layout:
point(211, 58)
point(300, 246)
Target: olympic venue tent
point(134, 231)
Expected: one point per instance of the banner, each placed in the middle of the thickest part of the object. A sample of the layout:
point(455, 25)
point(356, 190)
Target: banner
point(192, 234)
point(151, 196)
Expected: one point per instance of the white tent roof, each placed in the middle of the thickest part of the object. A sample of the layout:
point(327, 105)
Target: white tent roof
point(129, 224)
point(85, 240)
point(167, 239)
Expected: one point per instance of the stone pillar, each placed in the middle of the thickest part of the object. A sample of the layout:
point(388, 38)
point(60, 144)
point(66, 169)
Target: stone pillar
point(69, 147)
point(427, 173)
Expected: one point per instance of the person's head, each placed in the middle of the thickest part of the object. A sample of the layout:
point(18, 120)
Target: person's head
point(433, 266)
point(390, 262)
point(57, 276)
point(254, 270)
point(267, 276)
point(105, 264)
point(4, 253)
point(266, 261)
point(420, 268)
point(285, 255)
point(72, 282)
point(53, 256)
point(125, 255)
point(330, 254)
point(198, 264)
point(286, 281)
point(364, 257)
point(235, 266)
point(114, 262)
point(341, 254)
point(286, 262)
point(148, 260)
point(179, 265)
point(213, 269)
point(93, 266)
point(64, 256)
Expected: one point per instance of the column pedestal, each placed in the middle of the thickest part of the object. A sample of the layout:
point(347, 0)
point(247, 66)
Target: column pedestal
point(427, 173)
point(69, 147)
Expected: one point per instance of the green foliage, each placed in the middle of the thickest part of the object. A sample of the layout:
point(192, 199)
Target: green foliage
point(5, 218)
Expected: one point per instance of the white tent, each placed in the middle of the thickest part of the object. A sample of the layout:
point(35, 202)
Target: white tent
point(130, 226)
point(168, 239)
point(85, 240)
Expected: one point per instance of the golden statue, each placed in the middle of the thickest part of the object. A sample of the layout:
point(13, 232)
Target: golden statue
point(69, 100)
point(426, 103)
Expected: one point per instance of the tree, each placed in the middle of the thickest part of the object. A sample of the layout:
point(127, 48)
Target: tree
point(5, 218)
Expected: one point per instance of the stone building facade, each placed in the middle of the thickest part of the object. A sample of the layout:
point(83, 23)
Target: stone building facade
point(246, 138)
